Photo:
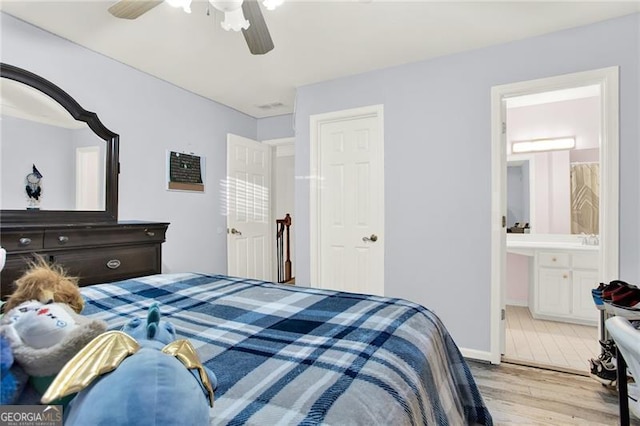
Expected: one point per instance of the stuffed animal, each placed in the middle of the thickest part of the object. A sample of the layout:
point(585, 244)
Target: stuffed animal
point(138, 376)
point(46, 283)
point(43, 338)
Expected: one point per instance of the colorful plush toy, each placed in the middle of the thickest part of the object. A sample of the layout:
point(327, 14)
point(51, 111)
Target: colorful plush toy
point(157, 380)
point(44, 337)
point(46, 283)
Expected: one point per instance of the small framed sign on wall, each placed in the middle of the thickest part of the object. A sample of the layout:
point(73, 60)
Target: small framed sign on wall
point(185, 172)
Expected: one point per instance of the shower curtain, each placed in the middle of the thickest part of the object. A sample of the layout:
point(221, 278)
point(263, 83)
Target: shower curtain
point(585, 197)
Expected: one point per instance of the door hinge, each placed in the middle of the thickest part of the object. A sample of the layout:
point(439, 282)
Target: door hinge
point(503, 314)
point(504, 221)
point(504, 127)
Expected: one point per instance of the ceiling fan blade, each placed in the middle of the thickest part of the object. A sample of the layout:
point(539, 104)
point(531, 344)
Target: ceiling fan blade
point(257, 35)
point(131, 9)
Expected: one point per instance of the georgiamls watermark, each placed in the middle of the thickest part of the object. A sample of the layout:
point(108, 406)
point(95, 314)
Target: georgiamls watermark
point(30, 415)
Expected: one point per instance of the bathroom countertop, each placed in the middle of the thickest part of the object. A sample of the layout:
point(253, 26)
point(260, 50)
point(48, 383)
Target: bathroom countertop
point(526, 243)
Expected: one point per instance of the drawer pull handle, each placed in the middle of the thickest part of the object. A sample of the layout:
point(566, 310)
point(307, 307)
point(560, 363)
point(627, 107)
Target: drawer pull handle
point(553, 259)
point(24, 241)
point(113, 264)
point(150, 233)
point(565, 276)
point(63, 239)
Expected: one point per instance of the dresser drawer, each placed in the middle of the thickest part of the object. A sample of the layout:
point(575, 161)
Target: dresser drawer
point(61, 238)
point(16, 241)
point(14, 268)
point(110, 264)
point(554, 260)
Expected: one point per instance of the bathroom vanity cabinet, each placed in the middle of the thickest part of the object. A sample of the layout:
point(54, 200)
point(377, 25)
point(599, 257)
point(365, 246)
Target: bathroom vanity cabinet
point(562, 283)
point(562, 271)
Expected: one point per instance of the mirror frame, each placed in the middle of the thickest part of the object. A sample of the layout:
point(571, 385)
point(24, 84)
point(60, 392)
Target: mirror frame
point(112, 166)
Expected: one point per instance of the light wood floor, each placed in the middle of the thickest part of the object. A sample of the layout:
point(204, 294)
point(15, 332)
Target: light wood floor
point(549, 343)
point(517, 395)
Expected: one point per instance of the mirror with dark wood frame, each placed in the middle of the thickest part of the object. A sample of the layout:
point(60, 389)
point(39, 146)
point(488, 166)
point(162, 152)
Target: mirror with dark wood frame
point(105, 210)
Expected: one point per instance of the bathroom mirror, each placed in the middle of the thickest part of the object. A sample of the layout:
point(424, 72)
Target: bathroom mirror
point(562, 181)
point(555, 192)
point(45, 130)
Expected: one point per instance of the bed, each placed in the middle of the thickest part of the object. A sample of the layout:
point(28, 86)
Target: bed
point(295, 355)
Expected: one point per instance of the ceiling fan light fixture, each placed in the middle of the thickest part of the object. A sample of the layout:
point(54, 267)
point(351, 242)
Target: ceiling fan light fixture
point(234, 20)
point(272, 4)
point(184, 4)
point(226, 5)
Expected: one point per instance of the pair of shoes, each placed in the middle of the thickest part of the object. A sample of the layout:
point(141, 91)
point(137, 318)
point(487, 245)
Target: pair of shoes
point(604, 372)
point(618, 297)
point(608, 346)
point(614, 288)
point(603, 368)
point(629, 297)
point(607, 291)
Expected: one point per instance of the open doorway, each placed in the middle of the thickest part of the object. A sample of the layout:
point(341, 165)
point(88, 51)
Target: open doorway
point(562, 243)
point(282, 205)
point(259, 192)
point(552, 196)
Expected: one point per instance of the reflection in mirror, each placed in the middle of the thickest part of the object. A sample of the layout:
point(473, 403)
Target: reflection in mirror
point(518, 198)
point(563, 185)
point(37, 130)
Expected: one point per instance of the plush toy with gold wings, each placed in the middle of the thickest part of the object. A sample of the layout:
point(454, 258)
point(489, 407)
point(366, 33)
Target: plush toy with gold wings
point(141, 375)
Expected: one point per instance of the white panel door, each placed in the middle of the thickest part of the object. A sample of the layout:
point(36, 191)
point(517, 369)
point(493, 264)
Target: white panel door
point(351, 205)
point(248, 190)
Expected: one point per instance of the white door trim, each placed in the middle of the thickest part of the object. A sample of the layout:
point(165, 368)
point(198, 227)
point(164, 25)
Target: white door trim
point(607, 79)
point(315, 122)
point(283, 147)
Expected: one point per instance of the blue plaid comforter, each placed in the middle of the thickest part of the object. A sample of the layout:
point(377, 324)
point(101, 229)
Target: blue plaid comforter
point(295, 355)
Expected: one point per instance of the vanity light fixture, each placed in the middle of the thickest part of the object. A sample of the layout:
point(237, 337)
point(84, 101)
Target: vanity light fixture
point(549, 144)
point(184, 4)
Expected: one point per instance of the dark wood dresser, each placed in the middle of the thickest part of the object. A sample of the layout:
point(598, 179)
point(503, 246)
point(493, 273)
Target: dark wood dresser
point(96, 253)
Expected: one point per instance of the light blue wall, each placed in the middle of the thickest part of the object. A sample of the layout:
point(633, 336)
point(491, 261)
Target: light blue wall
point(151, 117)
point(438, 166)
point(280, 126)
point(45, 146)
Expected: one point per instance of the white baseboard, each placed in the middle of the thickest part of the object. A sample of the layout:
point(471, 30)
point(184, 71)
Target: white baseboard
point(523, 303)
point(476, 354)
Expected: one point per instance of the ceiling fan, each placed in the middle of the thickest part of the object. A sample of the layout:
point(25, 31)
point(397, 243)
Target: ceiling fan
point(239, 15)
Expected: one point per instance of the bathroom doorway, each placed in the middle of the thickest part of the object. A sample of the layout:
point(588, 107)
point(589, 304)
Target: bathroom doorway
point(542, 314)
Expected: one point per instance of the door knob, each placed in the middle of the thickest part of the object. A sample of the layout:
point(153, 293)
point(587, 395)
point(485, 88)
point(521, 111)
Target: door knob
point(373, 238)
point(234, 231)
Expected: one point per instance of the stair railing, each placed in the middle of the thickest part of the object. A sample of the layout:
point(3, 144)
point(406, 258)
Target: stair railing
point(283, 249)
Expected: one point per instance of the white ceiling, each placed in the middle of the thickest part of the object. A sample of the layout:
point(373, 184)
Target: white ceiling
point(315, 40)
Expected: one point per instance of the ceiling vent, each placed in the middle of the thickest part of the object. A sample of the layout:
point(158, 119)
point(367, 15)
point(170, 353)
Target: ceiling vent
point(270, 106)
